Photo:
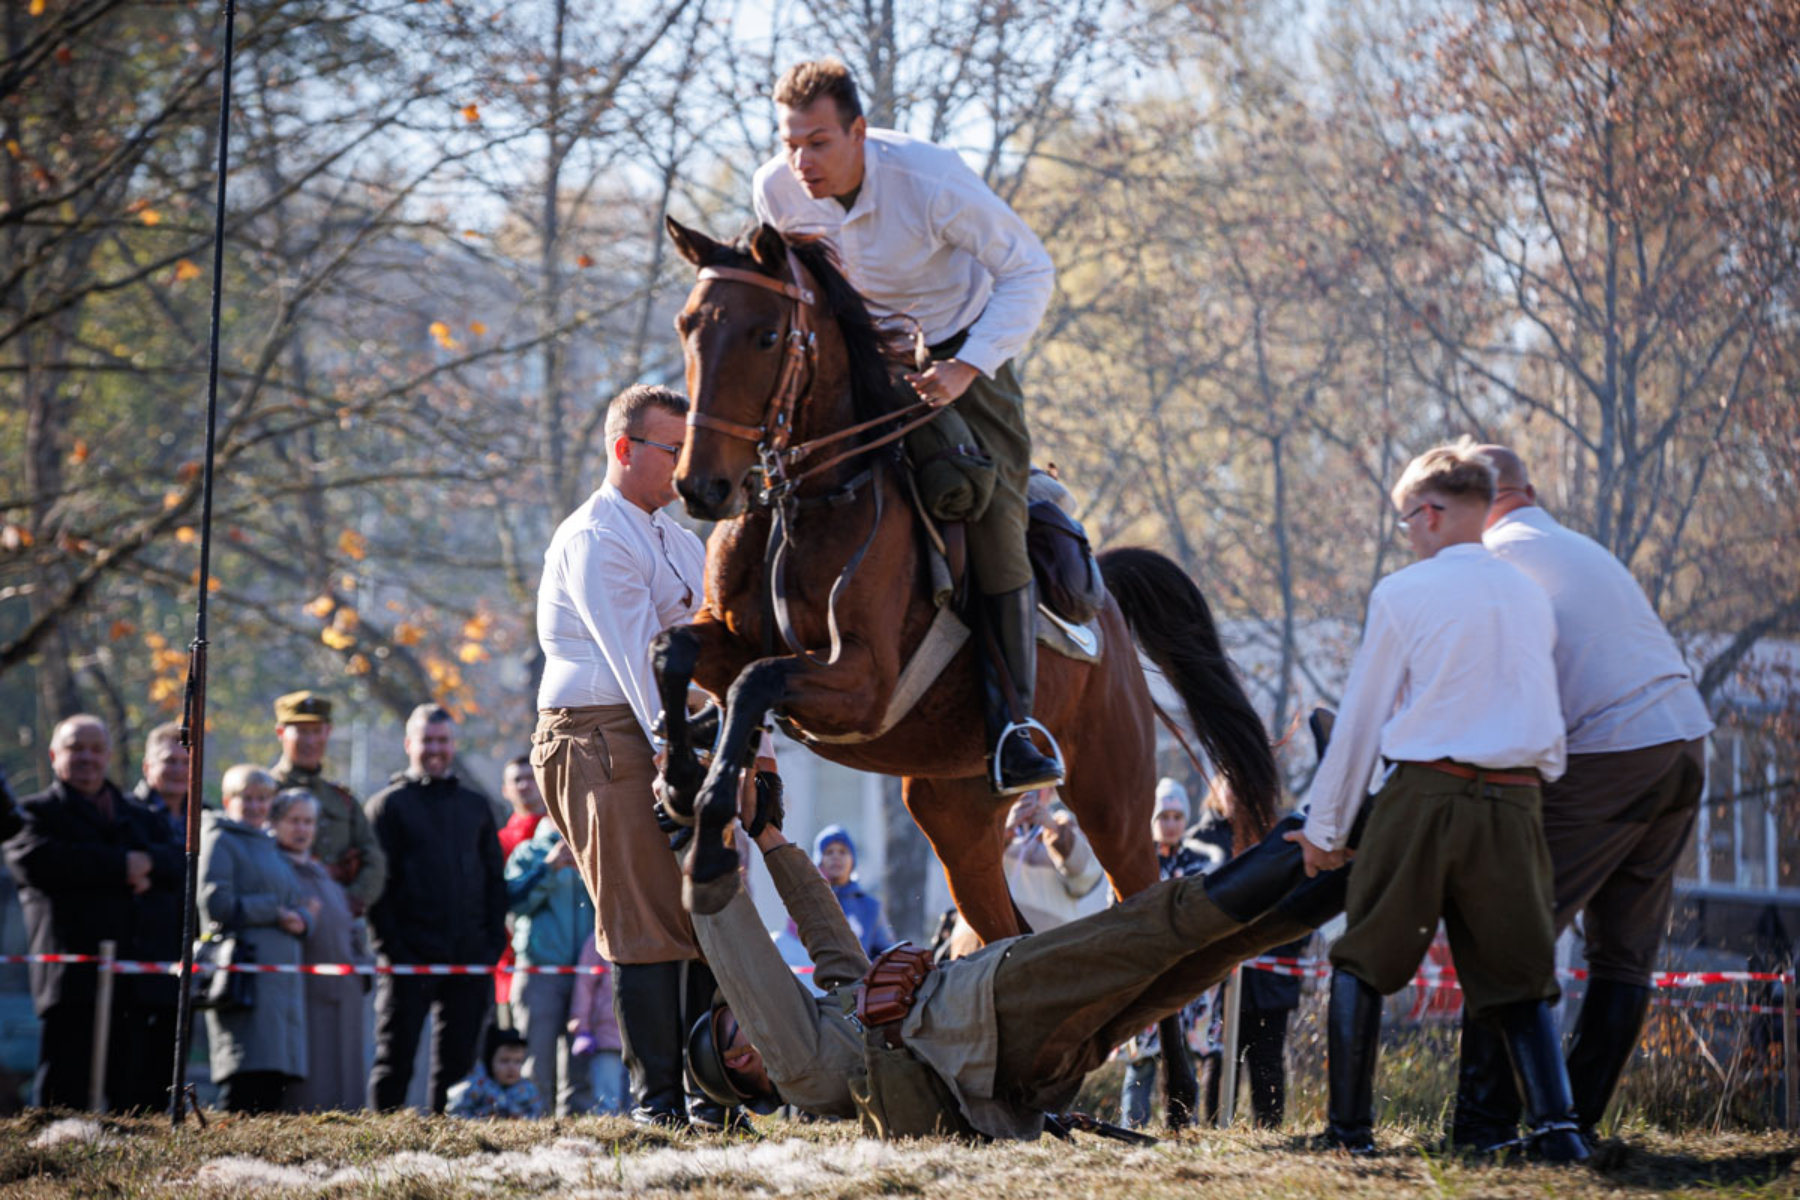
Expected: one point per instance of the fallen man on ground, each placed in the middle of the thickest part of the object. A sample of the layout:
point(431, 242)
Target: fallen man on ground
point(982, 1046)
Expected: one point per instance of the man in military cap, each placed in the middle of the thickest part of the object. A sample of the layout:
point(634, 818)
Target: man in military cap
point(345, 842)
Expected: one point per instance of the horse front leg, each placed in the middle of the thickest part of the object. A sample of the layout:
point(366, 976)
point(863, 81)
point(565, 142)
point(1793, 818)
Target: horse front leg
point(673, 656)
point(711, 865)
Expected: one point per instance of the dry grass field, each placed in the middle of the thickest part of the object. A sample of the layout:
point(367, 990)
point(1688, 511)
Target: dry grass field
point(414, 1158)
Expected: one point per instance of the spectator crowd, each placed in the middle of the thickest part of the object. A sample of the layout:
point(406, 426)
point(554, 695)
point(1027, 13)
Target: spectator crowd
point(294, 870)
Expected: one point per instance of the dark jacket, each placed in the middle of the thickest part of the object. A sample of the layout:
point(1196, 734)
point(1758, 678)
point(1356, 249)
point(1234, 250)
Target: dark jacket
point(445, 899)
point(1274, 992)
point(10, 820)
point(69, 863)
point(148, 797)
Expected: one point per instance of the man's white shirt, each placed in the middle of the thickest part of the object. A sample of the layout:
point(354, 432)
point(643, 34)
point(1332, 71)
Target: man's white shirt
point(615, 576)
point(1624, 683)
point(1455, 662)
point(928, 239)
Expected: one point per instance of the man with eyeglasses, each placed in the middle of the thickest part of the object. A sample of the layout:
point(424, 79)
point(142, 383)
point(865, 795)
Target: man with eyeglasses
point(1618, 820)
point(1454, 689)
point(618, 572)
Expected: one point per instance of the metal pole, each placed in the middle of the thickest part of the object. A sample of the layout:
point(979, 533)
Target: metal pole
point(193, 715)
point(1228, 1063)
point(1790, 1054)
point(103, 994)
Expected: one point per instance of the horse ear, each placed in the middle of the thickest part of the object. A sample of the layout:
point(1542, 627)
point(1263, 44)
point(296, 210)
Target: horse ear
point(694, 246)
point(769, 249)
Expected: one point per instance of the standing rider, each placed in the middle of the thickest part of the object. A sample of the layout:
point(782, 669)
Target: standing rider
point(921, 236)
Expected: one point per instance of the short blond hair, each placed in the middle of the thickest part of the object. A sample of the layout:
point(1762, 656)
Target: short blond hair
point(241, 777)
point(1455, 469)
point(804, 83)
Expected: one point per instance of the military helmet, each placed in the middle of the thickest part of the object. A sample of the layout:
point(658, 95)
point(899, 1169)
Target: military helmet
point(706, 1067)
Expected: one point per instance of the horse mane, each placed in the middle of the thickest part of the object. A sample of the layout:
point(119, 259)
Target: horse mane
point(873, 353)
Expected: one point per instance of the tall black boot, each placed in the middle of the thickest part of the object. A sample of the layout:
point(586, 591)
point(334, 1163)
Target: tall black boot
point(1353, 1044)
point(1261, 877)
point(1606, 1034)
point(1018, 764)
point(647, 1002)
point(1529, 1030)
point(1487, 1103)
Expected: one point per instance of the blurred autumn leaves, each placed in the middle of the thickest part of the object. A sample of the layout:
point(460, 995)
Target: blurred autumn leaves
point(1294, 246)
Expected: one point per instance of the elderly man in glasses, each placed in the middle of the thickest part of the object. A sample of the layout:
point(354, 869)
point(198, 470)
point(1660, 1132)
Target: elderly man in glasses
point(1454, 690)
point(618, 572)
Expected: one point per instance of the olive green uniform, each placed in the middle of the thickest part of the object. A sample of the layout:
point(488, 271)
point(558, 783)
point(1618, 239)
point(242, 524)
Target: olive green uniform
point(995, 412)
point(1469, 851)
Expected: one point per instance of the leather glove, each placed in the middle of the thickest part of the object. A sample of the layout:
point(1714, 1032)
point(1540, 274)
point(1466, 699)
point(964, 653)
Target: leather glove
point(770, 809)
point(679, 835)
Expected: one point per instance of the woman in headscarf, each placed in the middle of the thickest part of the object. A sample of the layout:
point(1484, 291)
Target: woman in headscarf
point(336, 1078)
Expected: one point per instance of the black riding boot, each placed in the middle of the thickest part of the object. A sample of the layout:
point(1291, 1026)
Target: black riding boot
point(1487, 1103)
point(1261, 877)
point(1021, 765)
point(1606, 1033)
point(1532, 1043)
point(1353, 1044)
point(647, 1002)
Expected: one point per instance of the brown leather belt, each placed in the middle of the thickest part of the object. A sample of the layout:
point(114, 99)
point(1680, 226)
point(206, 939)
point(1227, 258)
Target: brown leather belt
point(889, 989)
point(1526, 778)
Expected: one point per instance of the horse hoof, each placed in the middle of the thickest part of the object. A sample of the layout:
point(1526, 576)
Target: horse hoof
point(709, 873)
point(703, 898)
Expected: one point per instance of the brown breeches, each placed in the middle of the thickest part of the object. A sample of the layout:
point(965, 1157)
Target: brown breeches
point(594, 767)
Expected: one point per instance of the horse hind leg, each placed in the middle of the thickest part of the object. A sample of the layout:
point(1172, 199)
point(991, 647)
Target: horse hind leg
point(1111, 793)
point(962, 819)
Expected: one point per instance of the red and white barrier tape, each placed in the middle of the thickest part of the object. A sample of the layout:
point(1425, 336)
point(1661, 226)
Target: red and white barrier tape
point(123, 966)
point(1304, 968)
point(1319, 968)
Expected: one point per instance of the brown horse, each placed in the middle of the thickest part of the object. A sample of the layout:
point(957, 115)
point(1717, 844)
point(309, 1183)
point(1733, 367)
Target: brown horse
point(781, 352)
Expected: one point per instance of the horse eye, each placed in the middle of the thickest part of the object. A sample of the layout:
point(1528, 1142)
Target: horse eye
point(768, 339)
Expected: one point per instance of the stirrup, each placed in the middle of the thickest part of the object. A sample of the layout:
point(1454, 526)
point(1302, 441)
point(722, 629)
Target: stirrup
point(1055, 756)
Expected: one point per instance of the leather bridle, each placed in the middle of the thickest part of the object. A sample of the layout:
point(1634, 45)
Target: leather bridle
point(777, 456)
point(799, 358)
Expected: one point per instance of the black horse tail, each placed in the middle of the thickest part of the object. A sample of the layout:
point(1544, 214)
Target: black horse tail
point(1172, 623)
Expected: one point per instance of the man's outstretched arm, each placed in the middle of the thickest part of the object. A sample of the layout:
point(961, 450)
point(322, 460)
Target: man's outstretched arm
point(832, 945)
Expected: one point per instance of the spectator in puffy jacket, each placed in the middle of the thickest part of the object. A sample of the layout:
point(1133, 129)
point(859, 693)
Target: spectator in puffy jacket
point(1177, 857)
point(835, 856)
point(497, 1086)
point(518, 787)
point(552, 919)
